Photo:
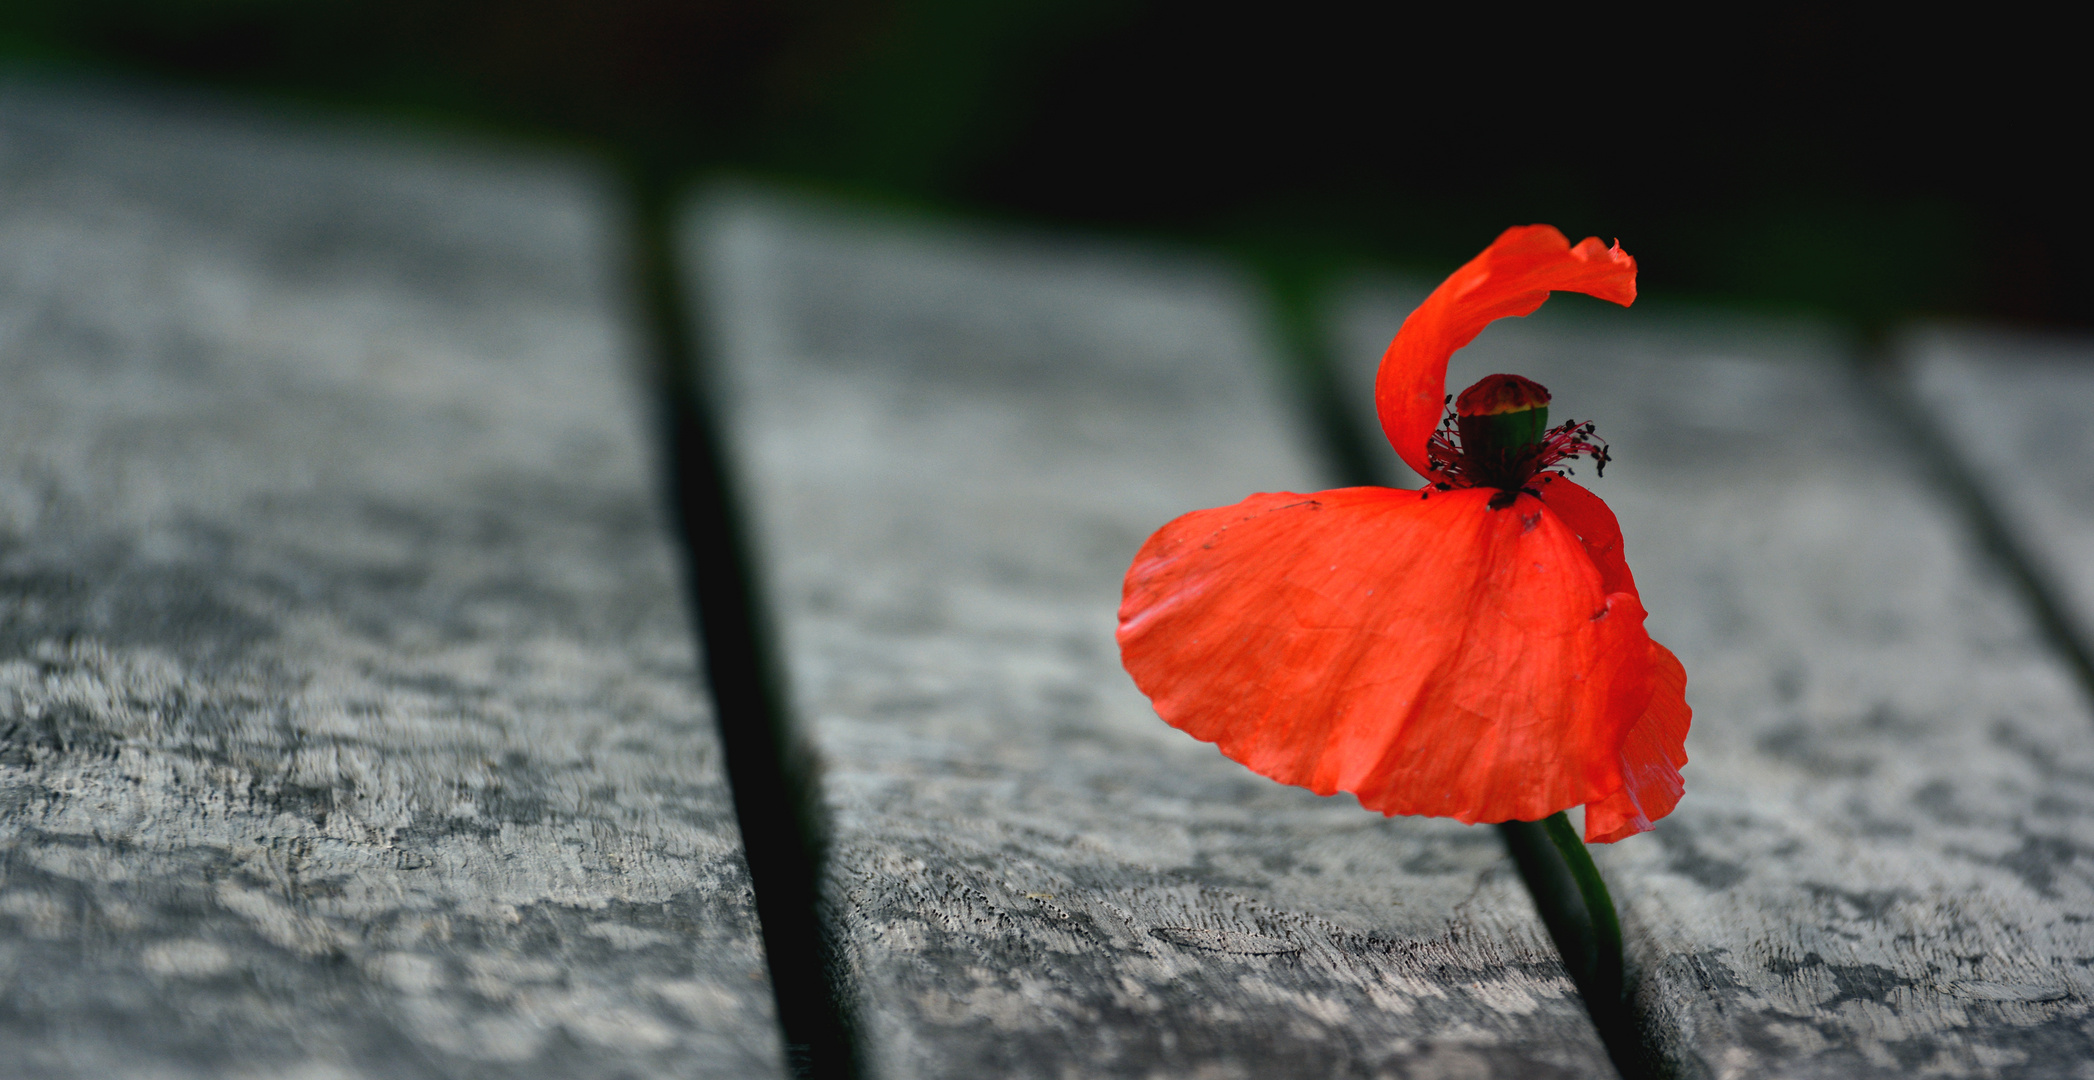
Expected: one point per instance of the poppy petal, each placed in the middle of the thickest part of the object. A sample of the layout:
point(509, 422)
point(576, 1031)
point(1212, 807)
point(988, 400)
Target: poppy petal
point(1650, 758)
point(1597, 529)
point(1432, 656)
point(1511, 277)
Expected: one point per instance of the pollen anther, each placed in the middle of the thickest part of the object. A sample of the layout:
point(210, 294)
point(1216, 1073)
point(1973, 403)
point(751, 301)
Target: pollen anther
point(1471, 454)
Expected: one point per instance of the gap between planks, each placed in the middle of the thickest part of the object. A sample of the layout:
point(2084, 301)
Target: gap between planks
point(1898, 373)
point(1103, 882)
point(768, 770)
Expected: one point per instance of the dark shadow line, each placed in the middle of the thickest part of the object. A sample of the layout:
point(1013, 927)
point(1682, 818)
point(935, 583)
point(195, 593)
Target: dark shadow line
point(1883, 371)
point(768, 769)
point(1298, 316)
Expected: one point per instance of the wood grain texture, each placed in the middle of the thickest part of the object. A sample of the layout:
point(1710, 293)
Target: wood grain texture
point(1884, 863)
point(953, 445)
point(2018, 410)
point(349, 719)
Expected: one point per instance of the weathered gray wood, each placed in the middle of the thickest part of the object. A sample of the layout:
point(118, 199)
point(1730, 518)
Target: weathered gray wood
point(1884, 863)
point(349, 719)
point(2018, 409)
point(954, 445)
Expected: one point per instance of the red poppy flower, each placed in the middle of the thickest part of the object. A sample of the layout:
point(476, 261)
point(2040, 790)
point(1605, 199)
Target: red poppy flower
point(1474, 649)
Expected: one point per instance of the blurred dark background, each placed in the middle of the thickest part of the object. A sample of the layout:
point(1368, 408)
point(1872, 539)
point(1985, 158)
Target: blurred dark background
point(1788, 157)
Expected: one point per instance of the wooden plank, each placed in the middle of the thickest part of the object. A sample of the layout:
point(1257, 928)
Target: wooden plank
point(954, 444)
point(1884, 863)
point(350, 723)
point(2014, 408)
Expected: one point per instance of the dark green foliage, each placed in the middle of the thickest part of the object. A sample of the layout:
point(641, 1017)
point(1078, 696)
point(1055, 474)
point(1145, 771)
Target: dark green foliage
point(1798, 159)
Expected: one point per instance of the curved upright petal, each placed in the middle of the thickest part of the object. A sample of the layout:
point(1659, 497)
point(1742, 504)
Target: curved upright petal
point(1432, 656)
point(1512, 277)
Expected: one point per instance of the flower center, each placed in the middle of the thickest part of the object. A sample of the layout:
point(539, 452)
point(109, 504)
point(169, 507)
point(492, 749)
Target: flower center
point(1497, 435)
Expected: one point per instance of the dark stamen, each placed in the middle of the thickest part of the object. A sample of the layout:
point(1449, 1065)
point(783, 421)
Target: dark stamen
point(1512, 470)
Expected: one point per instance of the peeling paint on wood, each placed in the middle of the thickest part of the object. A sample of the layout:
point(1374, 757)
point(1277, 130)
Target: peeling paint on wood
point(1884, 864)
point(954, 443)
point(349, 721)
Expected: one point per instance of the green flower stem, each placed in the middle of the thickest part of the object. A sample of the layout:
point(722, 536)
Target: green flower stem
point(1573, 903)
point(1599, 906)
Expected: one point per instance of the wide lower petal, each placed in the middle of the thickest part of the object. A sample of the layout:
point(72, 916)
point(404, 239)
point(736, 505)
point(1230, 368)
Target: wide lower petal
point(1432, 656)
point(1651, 757)
point(1511, 277)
